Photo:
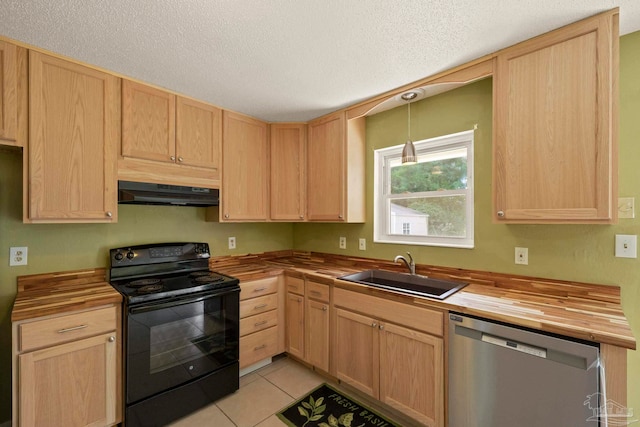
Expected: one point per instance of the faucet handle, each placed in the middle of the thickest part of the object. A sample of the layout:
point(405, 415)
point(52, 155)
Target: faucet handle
point(410, 257)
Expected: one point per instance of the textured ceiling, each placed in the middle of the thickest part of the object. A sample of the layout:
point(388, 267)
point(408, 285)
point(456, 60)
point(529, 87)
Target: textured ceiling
point(288, 60)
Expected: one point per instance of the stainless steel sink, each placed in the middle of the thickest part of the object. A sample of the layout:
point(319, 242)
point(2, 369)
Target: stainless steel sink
point(406, 283)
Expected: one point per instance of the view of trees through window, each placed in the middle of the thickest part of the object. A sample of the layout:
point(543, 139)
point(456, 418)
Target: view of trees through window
point(422, 182)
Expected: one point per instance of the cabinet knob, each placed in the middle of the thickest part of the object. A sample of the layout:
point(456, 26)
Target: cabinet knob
point(301, 216)
point(226, 216)
point(112, 339)
point(299, 299)
point(180, 159)
point(374, 324)
point(381, 327)
point(340, 216)
point(324, 308)
point(501, 214)
point(173, 158)
point(109, 214)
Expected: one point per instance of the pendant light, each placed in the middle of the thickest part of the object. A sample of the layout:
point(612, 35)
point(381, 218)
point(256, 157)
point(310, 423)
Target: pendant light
point(409, 151)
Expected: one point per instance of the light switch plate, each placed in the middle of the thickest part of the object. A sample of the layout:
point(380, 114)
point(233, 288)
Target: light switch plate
point(626, 208)
point(522, 256)
point(626, 246)
point(362, 244)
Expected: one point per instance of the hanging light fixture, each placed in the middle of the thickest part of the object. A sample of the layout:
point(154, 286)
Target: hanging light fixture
point(409, 151)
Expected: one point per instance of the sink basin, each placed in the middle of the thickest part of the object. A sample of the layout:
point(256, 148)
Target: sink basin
point(406, 283)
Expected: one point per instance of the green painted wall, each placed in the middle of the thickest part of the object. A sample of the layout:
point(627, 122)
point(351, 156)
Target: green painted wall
point(570, 252)
point(58, 247)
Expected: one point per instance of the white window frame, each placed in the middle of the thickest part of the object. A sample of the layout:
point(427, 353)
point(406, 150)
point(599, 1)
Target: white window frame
point(382, 189)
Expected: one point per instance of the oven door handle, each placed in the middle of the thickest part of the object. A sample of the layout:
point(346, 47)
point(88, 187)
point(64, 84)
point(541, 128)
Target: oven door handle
point(177, 302)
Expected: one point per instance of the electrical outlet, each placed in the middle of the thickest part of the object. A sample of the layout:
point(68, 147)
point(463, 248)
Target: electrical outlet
point(626, 245)
point(362, 244)
point(18, 255)
point(343, 243)
point(522, 256)
point(232, 242)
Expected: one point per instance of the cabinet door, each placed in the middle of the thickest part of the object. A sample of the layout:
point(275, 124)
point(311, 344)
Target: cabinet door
point(411, 373)
point(245, 169)
point(325, 169)
point(148, 122)
point(555, 107)
point(71, 384)
point(74, 131)
point(198, 134)
point(288, 160)
point(295, 325)
point(317, 334)
point(356, 355)
point(8, 91)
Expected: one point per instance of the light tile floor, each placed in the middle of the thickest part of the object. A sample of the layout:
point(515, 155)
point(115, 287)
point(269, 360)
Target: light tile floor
point(261, 395)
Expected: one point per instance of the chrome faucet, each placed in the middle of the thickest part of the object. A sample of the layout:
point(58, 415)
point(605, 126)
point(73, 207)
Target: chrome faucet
point(410, 264)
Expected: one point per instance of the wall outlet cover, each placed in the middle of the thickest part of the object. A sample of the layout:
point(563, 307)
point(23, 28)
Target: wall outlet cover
point(626, 246)
point(342, 243)
point(232, 242)
point(522, 256)
point(18, 255)
point(362, 244)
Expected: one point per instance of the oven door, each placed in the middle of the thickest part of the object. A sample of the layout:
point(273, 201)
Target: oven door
point(170, 343)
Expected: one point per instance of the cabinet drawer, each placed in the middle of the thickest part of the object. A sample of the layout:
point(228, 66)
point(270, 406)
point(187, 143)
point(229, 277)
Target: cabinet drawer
point(258, 346)
point(295, 285)
point(258, 305)
point(257, 288)
point(419, 318)
point(318, 291)
point(43, 333)
point(261, 321)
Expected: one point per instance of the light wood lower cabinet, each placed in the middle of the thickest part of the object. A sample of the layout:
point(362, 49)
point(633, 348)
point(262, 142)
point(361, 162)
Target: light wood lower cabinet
point(261, 333)
point(295, 317)
point(375, 353)
point(67, 370)
point(317, 324)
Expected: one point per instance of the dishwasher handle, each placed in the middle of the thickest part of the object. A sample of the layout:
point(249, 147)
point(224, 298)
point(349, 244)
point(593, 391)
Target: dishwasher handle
point(514, 345)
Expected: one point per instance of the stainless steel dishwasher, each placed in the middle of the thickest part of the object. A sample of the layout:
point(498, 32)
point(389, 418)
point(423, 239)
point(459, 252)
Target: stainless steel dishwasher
point(504, 376)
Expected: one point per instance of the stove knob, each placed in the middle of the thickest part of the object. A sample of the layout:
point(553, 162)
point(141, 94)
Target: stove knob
point(130, 255)
point(118, 256)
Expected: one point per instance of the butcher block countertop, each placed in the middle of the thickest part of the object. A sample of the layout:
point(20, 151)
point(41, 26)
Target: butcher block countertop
point(55, 293)
point(586, 311)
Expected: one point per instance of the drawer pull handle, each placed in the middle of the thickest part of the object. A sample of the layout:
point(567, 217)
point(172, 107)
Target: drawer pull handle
point(260, 347)
point(315, 292)
point(258, 307)
point(75, 328)
point(260, 289)
point(264, 322)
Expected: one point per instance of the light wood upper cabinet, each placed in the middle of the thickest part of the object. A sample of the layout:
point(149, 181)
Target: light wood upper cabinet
point(8, 93)
point(555, 126)
point(288, 163)
point(148, 123)
point(198, 134)
point(335, 169)
point(169, 139)
point(245, 150)
point(70, 161)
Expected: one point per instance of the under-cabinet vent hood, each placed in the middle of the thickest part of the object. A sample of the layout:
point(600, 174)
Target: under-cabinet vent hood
point(143, 193)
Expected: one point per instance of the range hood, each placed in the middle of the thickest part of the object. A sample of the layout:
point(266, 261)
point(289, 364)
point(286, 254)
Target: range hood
point(142, 193)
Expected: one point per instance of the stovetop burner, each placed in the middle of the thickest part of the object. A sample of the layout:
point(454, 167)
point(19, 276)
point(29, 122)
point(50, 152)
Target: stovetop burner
point(199, 274)
point(145, 283)
point(149, 289)
point(209, 278)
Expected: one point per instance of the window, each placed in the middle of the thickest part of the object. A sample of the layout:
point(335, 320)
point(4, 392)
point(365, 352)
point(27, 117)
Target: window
point(430, 202)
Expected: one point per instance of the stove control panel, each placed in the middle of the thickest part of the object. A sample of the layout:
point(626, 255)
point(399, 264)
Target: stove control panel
point(158, 253)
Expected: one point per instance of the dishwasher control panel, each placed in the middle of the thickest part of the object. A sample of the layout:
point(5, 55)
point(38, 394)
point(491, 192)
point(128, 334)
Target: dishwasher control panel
point(514, 345)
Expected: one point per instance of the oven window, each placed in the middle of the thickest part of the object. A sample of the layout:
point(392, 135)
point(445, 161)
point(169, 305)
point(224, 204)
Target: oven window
point(169, 345)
